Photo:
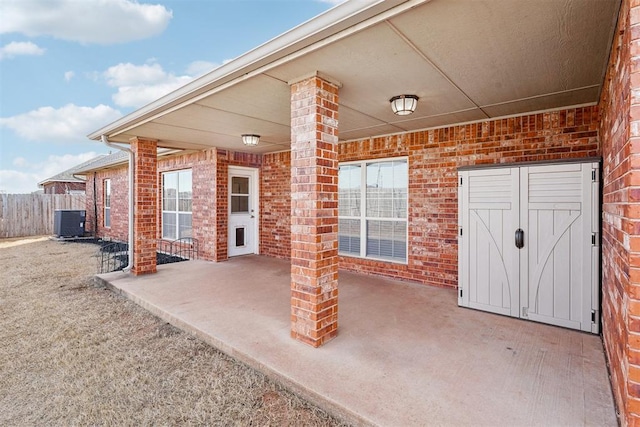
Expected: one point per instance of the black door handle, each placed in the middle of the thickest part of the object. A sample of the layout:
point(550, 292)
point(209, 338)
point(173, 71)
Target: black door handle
point(519, 238)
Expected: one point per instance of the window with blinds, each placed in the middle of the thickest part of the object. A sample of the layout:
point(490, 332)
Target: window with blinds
point(372, 209)
point(176, 204)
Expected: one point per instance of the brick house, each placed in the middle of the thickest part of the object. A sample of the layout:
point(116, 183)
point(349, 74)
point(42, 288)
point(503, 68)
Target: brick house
point(67, 182)
point(499, 83)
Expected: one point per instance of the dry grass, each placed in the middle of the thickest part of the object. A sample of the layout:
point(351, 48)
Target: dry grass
point(74, 354)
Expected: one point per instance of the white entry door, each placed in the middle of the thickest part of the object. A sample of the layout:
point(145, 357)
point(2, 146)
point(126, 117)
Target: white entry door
point(528, 244)
point(243, 211)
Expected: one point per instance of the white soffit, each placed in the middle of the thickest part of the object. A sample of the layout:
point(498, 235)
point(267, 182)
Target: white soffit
point(375, 65)
point(500, 51)
point(467, 60)
point(255, 98)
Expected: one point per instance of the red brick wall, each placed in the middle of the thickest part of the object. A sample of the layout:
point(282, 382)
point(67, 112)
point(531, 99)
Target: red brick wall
point(434, 157)
point(203, 174)
point(209, 170)
point(119, 203)
point(275, 205)
point(632, 213)
point(90, 201)
point(63, 187)
point(621, 217)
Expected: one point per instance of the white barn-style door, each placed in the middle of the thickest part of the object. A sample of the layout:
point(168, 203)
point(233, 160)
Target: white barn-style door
point(528, 242)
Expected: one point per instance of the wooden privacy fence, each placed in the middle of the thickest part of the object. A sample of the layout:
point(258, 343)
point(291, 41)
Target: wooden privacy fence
point(32, 214)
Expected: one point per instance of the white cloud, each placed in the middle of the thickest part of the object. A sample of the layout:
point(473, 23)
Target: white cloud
point(14, 49)
point(16, 182)
point(139, 85)
point(198, 68)
point(86, 21)
point(69, 75)
point(19, 162)
point(70, 123)
point(27, 175)
point(130, 75)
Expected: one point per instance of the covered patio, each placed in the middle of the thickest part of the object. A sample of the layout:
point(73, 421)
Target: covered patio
point(405, 354)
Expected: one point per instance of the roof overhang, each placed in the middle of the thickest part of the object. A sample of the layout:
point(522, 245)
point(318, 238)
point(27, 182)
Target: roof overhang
point(53, 181)
point(467, 60)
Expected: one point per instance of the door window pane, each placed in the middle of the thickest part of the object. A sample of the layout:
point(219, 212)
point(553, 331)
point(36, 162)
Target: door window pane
point(239, 185)
point(239, 204)
point(239, 194)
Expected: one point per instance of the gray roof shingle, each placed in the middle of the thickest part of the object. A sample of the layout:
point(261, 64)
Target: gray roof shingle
point(68, 175)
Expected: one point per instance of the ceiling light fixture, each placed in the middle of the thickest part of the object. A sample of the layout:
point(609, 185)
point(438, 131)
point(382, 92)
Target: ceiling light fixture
point(250, 139)
point(404, 104)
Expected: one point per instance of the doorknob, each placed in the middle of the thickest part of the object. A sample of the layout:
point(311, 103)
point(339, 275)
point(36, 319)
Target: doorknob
point(519, 238)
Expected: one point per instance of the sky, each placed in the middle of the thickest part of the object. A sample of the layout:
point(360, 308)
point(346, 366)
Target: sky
point(70, 67)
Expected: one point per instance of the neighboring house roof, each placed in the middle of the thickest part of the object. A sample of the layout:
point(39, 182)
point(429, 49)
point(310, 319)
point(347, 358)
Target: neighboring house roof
point(104, 162)
point(116, 159)
point(467, 61)
point(69, 174)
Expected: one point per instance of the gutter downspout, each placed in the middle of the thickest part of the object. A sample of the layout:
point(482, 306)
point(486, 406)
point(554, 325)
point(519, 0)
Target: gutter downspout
point(95, 205)
point(106, 141)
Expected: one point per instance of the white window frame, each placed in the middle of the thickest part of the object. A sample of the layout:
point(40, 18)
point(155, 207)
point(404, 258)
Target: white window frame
point(107, 202)
point(363, 218)
point(177, 212)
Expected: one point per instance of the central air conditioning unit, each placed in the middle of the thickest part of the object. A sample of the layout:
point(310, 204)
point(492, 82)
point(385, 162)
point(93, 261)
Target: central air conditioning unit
point(69, 223)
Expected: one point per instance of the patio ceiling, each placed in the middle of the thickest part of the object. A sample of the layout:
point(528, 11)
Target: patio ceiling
point(467, 60)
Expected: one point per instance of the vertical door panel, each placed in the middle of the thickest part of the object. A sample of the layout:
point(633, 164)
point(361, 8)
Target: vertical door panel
point(489, 212)
point(555, 274)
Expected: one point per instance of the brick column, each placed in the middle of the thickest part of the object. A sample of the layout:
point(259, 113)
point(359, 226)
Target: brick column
point(145, 194)
point(314, 210)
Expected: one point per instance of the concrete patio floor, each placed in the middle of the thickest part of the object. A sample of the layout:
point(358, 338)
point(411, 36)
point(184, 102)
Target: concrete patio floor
point(405, 354)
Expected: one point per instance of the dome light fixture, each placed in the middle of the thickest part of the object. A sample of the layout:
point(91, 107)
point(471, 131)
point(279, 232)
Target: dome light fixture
point(250, 140)
point(403, 105)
